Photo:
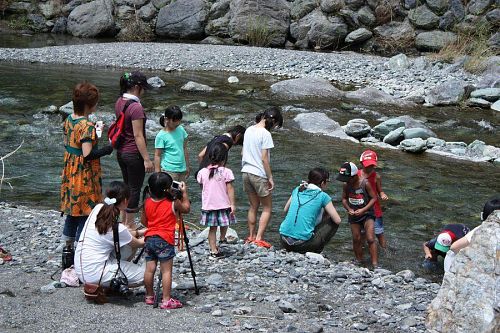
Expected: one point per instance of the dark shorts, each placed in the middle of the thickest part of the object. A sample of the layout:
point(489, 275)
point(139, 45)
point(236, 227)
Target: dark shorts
point(158, 249)
point(361, 219)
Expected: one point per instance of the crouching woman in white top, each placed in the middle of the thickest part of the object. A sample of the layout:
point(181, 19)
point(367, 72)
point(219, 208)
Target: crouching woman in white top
point(95, 260)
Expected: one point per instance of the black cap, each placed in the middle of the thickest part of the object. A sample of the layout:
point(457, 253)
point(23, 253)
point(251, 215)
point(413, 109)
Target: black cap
point(489, 207)
point(137, 79)
point(346, 171)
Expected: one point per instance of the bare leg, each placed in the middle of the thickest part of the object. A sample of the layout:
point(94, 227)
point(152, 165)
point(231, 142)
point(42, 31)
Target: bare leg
point(166, 282)
point(370, 239)
point(149, 275)
point(265, 217)
point(254, 201)
point(356, 241)
point(223, 231)
point(211, 239)
point(382, 241)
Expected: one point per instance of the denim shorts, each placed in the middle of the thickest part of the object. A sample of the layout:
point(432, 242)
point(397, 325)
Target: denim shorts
point(379, 226)
point(158, 249)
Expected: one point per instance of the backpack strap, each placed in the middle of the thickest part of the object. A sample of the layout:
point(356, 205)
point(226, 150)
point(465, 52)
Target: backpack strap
point(125, 107)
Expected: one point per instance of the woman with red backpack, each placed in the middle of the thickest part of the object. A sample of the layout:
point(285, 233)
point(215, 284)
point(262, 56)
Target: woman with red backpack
point(132, 153)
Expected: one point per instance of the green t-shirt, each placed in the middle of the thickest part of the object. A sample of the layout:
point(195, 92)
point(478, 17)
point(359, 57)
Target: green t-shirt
point(172, 143)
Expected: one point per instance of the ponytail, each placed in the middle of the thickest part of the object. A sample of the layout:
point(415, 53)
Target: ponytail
point(272, 116)
point(109, 213)
point(162, 121)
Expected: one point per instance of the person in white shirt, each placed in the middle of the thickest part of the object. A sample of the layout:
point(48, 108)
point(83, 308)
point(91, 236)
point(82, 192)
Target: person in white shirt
point(258, 180)
point(95, 260)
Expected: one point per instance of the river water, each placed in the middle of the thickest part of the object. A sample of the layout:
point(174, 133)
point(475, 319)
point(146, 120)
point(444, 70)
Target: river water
point(426, 191)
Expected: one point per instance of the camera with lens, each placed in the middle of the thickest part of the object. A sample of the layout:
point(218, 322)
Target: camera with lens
point(119, 284)
point(176, 190)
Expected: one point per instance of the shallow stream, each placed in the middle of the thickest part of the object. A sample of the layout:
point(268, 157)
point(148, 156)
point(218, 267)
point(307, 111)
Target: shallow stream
point(426, 191)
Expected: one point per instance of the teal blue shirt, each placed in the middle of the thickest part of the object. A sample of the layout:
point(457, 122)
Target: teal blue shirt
point(172, 143)
point(300, 222)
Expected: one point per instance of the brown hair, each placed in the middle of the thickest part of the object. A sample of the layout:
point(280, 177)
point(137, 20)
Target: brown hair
point(84, 94)
point(109, 214)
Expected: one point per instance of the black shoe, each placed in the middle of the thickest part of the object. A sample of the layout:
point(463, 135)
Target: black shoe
point(216, 255)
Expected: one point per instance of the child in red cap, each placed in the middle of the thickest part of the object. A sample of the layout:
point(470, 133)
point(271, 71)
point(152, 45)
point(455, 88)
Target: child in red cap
point(369, 162)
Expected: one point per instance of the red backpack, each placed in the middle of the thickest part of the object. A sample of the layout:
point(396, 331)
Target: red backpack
point(115, 131)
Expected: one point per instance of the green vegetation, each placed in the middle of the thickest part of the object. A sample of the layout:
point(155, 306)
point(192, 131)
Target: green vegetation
point(472, 43)
point(135, 30)
point(19, 23)
point(258, 32)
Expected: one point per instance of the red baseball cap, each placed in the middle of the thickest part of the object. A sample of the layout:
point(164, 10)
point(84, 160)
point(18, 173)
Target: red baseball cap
point(369, 157)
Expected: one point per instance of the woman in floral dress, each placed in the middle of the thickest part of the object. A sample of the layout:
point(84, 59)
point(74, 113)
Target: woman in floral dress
point(81, 176)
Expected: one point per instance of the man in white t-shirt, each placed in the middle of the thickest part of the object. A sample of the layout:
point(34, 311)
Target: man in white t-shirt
point(258, 180)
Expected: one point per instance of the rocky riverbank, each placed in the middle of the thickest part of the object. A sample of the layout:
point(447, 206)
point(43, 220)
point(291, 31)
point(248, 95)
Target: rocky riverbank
point(252, 289)
point(406, 80)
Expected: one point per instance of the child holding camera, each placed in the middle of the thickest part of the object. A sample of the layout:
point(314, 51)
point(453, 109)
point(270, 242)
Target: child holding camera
point(160, 216)
point(217, 197)
point(171, 154)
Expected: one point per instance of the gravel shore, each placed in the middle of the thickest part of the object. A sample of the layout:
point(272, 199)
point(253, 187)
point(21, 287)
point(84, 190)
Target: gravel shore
point(359, 70)
point(251, 289)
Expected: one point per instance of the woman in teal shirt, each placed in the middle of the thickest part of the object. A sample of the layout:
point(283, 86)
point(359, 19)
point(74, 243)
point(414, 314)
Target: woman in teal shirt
point(306, 227)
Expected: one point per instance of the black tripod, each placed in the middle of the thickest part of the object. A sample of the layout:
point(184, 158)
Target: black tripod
point(193, 273)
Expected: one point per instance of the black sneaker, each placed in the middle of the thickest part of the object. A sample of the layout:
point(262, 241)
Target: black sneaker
point(216, 255)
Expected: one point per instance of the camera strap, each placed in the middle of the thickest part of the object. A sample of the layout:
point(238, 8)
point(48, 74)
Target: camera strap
point(116, 241)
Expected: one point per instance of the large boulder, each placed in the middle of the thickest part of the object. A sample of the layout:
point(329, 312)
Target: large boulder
point(316, 30)
point(455, 14)
point(395, 137)
point(357, 128)
point(434, 40)
point(317, 122)
point(450, 92)
point(366, 16)
point(468, 296)
point(268, 19)
point(373, 96)
point(218, 27)
point(358, 35)
point(423, 18)
point(384, 128)
point(478, 7)
point(306, 87)
point(92, 19)
point(300, 8)
point(331, 6)
point(184, 19)
point(437, 6)
point(416, 145)
point(489, 94)
point(411, 133)
point(390, 35)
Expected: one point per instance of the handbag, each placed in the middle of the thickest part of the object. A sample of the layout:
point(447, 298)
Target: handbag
point(94, 292)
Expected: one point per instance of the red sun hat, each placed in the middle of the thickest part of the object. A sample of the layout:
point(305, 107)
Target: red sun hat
point(369, 157)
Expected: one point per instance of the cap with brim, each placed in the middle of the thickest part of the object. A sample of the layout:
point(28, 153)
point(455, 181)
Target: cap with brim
point(367, 163)
point(441, 248)
point(138, 78)
point(346, 171)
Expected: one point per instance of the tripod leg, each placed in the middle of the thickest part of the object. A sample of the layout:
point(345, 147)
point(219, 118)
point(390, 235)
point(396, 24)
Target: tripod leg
point(193, 273)
point(158, 291)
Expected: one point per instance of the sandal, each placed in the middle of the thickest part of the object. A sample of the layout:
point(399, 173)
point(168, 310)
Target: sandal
point(5, 255)
point(262, 243)
point(170, 304)
point(223, 241)
point(149, 300)
point(249, 240)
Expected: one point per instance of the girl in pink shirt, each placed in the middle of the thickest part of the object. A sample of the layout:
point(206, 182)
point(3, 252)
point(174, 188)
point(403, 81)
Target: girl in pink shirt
point(218, 205)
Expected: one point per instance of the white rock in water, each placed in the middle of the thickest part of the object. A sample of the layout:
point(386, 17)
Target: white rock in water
point(203, 105)
point(496, 106)
point(233, 79)
point(156, 82)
